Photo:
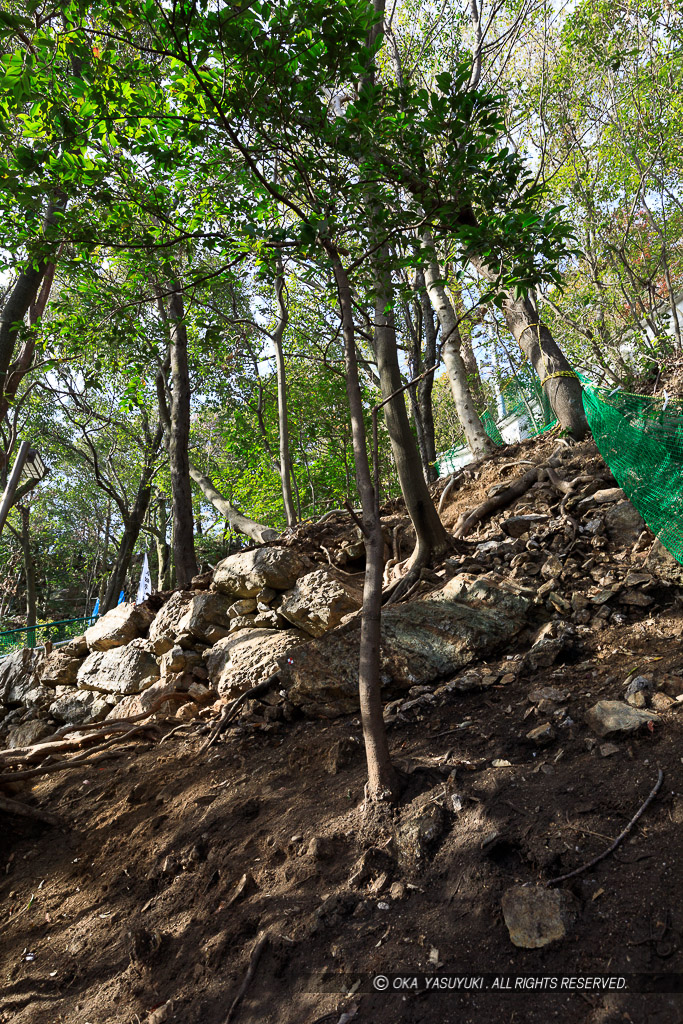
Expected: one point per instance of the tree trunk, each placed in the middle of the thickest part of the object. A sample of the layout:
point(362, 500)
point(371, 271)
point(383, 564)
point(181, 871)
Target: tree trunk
point(431, 537)
point(163, 550)
point(382, 779)
point(131, 532)
point(285, 465)
point(426, 386)
point(240, 523)
point(478, 440)
point(30, 573)
point(179, 439)
point(558, 380)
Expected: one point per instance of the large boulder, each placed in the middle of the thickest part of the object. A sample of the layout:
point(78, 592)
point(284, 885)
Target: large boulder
point(78, 707)
point(248, 572)
point(60, 667)
point(19, 675)
point(624, 524)
point(422, 642)
point(241, 661)
point(164, 629)
point(118, 627)
point(123, 671)
point(206, 618)
point(320, 600)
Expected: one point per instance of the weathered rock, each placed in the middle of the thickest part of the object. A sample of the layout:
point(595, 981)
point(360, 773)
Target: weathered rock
point(178, 659)
point(542, 735)
point(118, 627)
point(552, 567)
point(140, 703)
point(662, 563)
point(608, 494)
point(624, 524)
point(163, 631)
point(536, 916)
point(415, 837)
point(60, 667)
point(341, 754)
point(76, 707)
point(245, 606)
point(517, 526)
point(423, 641)
point(125, 671)
point(206, 618)
point(610, 717)
point(320, 600)
point(549, 693)
point(239, 662)
point(19, 674)
point(28, 733)
point(242, 622)
point(248, 572)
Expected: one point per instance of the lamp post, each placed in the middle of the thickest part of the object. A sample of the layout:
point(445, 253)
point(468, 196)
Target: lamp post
point(29, 460)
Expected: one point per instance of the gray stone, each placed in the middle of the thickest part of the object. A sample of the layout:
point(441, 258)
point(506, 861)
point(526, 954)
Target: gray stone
point(179, 659)
point(542, 735)
point(608, 494)
point(624, 524)
point(28, 733)
point(60, 667)
point(239, 662)
point(125, 671)
point(415, 837)
point(245, 606)
point(536, 916)
point(248, 572)
point(517, 526)
point(423, 641)
point(242, 622)
point(320, 600)
point(77, 707)
point(662, 563)
point(19, 674)
point(207, 617)
point(118, 627)
point(164, 629)
point(610, 717)
point(140, 703)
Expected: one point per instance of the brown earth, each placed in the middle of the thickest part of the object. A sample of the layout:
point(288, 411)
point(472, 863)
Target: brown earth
point(136, 909)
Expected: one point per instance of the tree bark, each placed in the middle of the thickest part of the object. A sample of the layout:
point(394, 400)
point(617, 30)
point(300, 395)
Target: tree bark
point(426, 386)
point(179, 440)
point(30, 573)
point(558, 380)
point(285, 464)
point(382, 779)
point(131, 531)
point(431, 537)
point(480, 444)
point(238, 522)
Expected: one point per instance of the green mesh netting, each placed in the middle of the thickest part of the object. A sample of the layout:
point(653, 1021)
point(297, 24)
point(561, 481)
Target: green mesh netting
point(490, 427)
point(640, 438)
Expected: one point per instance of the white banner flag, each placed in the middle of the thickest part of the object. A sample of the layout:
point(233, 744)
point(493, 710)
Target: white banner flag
point(145, 585)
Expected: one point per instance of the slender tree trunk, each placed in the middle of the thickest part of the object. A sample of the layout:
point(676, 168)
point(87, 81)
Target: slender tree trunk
point(285, 465)
point(30, 573)
point(179, 439)
point(558, 380)
point(478, 440)
point(240, 523)
point(131, 532)
point(425, 387)
point(431, 537)
point(382, 780)
point(163, 550)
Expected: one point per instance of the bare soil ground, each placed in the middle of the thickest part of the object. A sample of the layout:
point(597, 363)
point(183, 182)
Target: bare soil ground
point(136, 908)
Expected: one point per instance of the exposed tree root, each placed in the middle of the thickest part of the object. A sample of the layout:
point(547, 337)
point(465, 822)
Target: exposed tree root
point(230, 711)
point(61, 766)
point(261, 944)
point(618, 840)
point(24, 811)
point(504, 497)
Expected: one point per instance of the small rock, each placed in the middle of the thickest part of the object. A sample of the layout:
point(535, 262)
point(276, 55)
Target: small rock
point(243, 607)
point(397, 890)
point(536, 916)
point(542, 735)
point(635, 598)
point(500, 762)
point(415, 837)
point(612, 716)
point(341, 754)
point(559, 604)
point(607, 749)
point(637, 684)
point(552, 567)
point(550, 693)
point(624, 524)
point(608, 494)
point(637, 699)
point(661, 701)
point(517, 526)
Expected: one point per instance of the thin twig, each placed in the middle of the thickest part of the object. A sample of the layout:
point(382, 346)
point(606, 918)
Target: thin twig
point(620, 837)
point(253, 963)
